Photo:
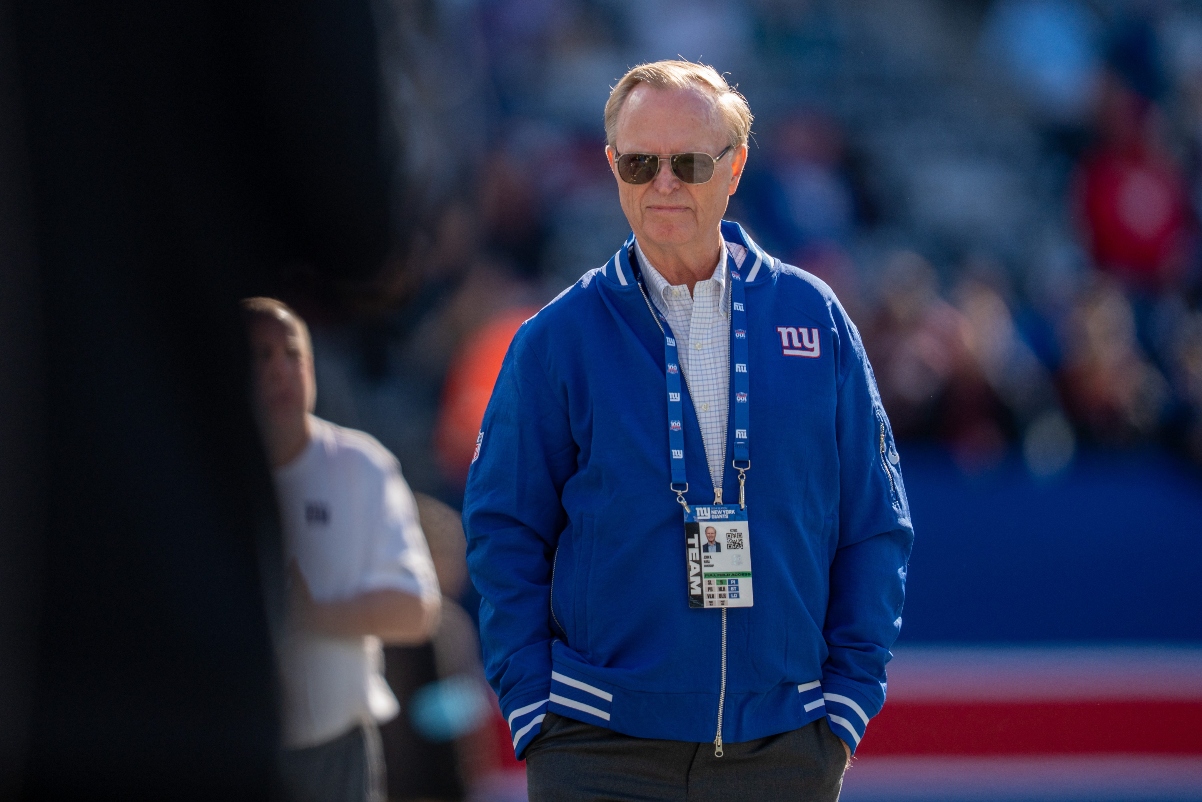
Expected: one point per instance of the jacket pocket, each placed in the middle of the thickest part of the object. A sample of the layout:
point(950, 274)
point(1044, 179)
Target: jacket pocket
point(556, 619)
point(806, 649)
point(580, 583)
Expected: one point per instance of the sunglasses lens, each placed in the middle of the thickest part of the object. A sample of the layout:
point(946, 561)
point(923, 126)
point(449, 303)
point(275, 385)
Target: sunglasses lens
point(637, 168)
point(693, 168)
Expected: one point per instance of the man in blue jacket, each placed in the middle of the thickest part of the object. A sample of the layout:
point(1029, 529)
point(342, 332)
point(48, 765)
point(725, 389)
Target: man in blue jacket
point(638, 402)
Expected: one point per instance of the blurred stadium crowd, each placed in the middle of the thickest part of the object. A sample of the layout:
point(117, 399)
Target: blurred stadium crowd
point(1005, 195)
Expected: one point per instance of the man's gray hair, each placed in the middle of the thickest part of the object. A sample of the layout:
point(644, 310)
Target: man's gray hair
point(730, 104)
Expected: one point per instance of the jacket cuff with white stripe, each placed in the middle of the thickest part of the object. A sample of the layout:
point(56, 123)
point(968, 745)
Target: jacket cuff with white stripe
point(525, 717)
point(848, 708)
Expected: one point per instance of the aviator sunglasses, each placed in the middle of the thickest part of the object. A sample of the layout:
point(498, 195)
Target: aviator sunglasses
point(691, 168)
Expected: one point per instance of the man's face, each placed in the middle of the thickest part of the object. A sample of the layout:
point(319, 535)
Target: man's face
point(710, 534)
point(285, 389)
point(666, 211)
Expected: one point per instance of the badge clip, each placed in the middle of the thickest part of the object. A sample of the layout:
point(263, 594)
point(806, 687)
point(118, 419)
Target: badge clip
point(742, 469)
point(680, 494)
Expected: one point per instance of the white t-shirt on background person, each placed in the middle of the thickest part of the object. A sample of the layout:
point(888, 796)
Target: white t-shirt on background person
point(351, 524)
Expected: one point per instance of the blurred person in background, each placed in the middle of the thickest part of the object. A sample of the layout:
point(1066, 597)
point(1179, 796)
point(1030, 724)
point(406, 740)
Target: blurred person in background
point(1048, 50)
point(1187, 380)
point(1110, 387)
point(931, 381)
point(470, 379)
point(802, 200)
point(1019, 389)
point(574, 499)
point(1130, 196)
point(359, 570)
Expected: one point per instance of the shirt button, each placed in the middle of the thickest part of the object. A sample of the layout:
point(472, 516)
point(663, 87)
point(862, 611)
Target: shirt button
point(705, 407)
point(697, 346)
point(675, 293)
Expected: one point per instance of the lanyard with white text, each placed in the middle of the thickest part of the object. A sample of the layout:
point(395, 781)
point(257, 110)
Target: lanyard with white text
point(742, 415)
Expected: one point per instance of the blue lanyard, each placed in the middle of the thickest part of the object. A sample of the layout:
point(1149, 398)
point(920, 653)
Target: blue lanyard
point(739, 362)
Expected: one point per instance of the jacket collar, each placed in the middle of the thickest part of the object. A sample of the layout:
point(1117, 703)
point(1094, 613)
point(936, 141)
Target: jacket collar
point(747, 257)
point(660, 288)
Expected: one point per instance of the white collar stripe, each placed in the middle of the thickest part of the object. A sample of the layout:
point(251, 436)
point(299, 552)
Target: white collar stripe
point(755, 269)
point(618, 270)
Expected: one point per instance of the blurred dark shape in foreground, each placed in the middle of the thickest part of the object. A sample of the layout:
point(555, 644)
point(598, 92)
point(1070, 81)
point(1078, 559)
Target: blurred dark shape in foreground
point(158, 161)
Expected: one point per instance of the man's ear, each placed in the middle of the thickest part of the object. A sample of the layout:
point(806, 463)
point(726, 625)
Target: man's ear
point(737, 165)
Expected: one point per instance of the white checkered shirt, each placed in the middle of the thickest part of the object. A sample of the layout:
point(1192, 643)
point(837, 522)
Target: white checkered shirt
point(701, 326)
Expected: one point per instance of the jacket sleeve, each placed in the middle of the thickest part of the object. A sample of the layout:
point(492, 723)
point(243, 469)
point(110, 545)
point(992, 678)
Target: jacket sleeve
point(868, 573)
point(513, 517)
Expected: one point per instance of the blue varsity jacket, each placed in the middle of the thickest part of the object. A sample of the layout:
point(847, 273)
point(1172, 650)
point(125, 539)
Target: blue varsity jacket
point(576, 543)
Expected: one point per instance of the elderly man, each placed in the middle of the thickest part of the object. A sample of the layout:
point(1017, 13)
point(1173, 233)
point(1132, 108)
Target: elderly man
point(639, 401)
point(359, 568)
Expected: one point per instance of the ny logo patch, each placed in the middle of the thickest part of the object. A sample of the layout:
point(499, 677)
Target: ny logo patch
point(796, 341)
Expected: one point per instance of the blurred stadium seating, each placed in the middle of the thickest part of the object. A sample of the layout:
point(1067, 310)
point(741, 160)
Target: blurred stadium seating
point(1006, 196)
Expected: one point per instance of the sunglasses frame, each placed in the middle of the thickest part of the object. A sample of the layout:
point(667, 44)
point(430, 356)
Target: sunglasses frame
point(659, 163)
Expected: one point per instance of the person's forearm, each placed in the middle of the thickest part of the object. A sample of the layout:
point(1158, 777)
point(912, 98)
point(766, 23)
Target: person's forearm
point(391, 615)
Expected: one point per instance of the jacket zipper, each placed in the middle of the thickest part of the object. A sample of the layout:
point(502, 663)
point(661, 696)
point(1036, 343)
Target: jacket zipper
point(721, 691)
point(718, 751)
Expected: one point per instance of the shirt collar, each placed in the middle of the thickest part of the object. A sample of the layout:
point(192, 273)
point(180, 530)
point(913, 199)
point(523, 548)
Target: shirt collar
point(660, 289)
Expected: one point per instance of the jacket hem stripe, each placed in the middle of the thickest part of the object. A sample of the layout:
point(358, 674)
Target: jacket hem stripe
point(849, 702)
point(583, 708)
point(521, 711)
point(522, 732)
point(584, 686)
point(845, 724)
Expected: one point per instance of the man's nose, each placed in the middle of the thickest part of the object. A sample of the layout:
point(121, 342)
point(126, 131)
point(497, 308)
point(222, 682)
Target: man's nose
point(665, 181)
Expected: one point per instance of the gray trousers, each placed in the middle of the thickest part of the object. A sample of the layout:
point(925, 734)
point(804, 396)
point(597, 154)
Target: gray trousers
point(571, 761)
point(349, 768)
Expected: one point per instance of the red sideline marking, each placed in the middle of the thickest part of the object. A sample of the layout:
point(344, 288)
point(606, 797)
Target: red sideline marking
point(1003, 779)
point(1025, 728)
